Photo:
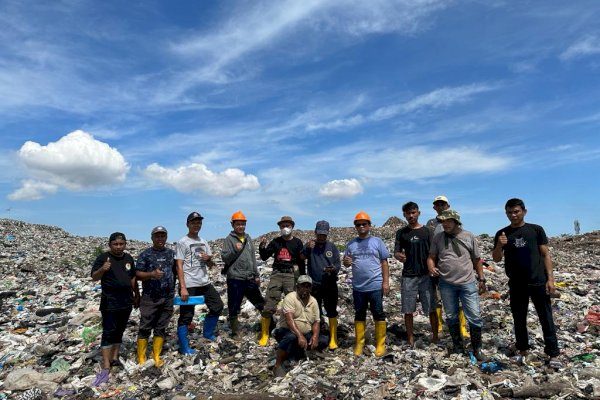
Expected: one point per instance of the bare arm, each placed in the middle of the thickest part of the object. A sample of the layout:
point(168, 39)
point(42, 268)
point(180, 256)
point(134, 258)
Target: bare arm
point(545, 253)
point(431, 261)
point(181, 277)
point(385, 273)
point(289, 319)
point(478, 266)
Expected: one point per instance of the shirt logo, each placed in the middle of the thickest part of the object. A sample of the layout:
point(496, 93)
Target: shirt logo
point(520, 242)
point(284, 255)
point(128, 267)
point(414, 238)
point(328, 253)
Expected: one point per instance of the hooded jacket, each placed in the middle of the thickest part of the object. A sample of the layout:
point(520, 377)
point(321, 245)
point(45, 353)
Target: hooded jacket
point(244, 268)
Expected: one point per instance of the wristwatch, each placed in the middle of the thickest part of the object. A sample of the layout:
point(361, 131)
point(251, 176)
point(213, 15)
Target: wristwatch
point(481, 280)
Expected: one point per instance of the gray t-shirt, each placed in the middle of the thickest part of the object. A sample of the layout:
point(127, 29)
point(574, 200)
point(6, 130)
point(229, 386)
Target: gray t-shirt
point(195, 270)
point(455, 269)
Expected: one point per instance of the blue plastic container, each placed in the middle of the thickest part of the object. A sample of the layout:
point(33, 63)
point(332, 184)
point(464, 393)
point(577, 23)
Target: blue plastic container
point(192, 301)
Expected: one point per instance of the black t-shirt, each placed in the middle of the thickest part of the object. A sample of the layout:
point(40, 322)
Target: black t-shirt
point(116, 282)
point(286, 254)
point(522, 258)
point(416, 243)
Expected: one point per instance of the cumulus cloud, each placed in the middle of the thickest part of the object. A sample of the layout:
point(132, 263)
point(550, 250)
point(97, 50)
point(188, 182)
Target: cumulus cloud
point(76, 161)
point(587, 46)
point(33, 190)
point(341, 189)
point(195, 177)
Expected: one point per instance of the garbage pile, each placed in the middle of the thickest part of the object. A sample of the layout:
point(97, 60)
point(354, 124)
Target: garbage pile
point(50, 334)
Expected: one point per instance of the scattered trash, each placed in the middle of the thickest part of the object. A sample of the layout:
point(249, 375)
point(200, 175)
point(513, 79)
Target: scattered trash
point(50, 335)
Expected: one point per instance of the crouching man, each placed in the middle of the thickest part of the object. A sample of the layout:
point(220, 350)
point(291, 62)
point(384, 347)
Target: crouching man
point(299, 327)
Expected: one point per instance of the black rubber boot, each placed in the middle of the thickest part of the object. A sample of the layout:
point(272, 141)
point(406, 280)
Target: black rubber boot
point(457, 343)
point(476, 343)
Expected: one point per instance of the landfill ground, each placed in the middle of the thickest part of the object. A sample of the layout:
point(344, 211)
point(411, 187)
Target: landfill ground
point(50, 333)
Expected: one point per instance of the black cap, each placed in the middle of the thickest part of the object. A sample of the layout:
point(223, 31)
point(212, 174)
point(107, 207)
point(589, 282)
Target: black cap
point(193, 216)
point(116, 235)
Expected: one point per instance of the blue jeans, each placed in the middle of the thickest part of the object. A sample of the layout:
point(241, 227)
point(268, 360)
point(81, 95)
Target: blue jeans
point(468, 294)
point(362, 301)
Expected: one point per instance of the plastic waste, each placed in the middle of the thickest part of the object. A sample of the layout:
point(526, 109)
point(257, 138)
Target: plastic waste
point(89, 334)
point(192, 301)
point(491, 367)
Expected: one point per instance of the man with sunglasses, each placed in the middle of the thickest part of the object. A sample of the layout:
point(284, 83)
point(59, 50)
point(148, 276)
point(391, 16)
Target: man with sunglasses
point(370, 281)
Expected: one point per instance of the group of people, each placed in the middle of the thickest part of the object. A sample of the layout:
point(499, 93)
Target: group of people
point(441, 261)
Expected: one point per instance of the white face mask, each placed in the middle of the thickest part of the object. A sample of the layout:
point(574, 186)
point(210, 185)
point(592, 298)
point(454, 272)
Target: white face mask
point(286, 231)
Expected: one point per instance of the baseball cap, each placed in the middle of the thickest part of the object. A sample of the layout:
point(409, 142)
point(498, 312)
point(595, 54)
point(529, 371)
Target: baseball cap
point(116, 235)
point(322, 228)
point(441, 198)
point(158, 229)
point(304, 279)
point(194, 215)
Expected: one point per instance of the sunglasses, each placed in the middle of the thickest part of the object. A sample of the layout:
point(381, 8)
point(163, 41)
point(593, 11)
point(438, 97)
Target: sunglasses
point(361, 224)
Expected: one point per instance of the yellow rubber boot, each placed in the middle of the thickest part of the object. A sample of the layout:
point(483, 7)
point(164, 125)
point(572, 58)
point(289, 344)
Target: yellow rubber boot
point(464, 332)
point(333, 334)
point(142, 345)
point(380, 333)
point(157, 345)
point(264, 331)
point(359, 329)
point(438, 310)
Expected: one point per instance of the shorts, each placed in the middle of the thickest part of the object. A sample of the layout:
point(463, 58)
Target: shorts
point(421, 287)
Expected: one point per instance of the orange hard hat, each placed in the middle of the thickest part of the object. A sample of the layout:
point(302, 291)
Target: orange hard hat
point(238, 216)
point(362, 215)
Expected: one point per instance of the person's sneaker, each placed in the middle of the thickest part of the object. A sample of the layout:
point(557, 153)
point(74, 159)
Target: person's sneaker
point(279, 372)
point(555, 363)
point(102, 377)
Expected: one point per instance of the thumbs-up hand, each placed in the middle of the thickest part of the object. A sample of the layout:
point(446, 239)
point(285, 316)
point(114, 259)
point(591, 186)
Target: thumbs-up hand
point(502, 239)
point(347, 261)
point(400, 256)
point(106, 266)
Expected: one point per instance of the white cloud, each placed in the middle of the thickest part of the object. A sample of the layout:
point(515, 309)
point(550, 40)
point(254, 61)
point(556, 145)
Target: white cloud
point(33, 190)
point(341, 189)
point(197, 177)
point(76, 161)
point(587, 46)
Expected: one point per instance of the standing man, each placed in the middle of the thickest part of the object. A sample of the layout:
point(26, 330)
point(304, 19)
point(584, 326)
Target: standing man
point(529, 269)
point(155, 268)
point(454, 257)
point(411, 248)
point(243, 278)
point(193, 258)
point(116, 273)
point(441, 204)
point(370, 281)
point(299, 327)
point(287, 251)
point(324, 263)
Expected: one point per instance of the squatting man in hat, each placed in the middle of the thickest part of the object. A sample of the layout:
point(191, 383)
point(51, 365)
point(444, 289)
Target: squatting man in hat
point(299, 328)
point(454, 256)
point(155, 267)
point(193, 257)
point(287, 252)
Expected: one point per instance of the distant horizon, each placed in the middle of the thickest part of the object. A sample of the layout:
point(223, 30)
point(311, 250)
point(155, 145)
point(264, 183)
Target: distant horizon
point(125, 118)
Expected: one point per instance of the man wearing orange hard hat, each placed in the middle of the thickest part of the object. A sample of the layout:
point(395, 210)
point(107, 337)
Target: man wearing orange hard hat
point(243, 278)
point(370, 281)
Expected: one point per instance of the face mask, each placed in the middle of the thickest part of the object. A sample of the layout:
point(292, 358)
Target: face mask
point(286, 231)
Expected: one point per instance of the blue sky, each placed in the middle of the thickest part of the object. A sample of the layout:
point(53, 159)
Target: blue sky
point(120, 117)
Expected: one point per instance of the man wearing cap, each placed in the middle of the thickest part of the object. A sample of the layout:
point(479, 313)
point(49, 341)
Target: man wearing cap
point(370, 281)
point(287, 253)
point(155, 268)
point(440, 204)
point(193, 257)
point(454, 257)
point(411, 248)
point(243, 278)
point(323, 265)
point(530, 275)
point(299, 327)
point(116, 273)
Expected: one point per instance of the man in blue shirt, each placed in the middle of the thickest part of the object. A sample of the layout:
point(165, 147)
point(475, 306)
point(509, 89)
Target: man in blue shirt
point(370, 281)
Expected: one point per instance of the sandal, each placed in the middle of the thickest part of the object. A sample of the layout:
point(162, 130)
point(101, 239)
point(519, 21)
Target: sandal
point(555, 363)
